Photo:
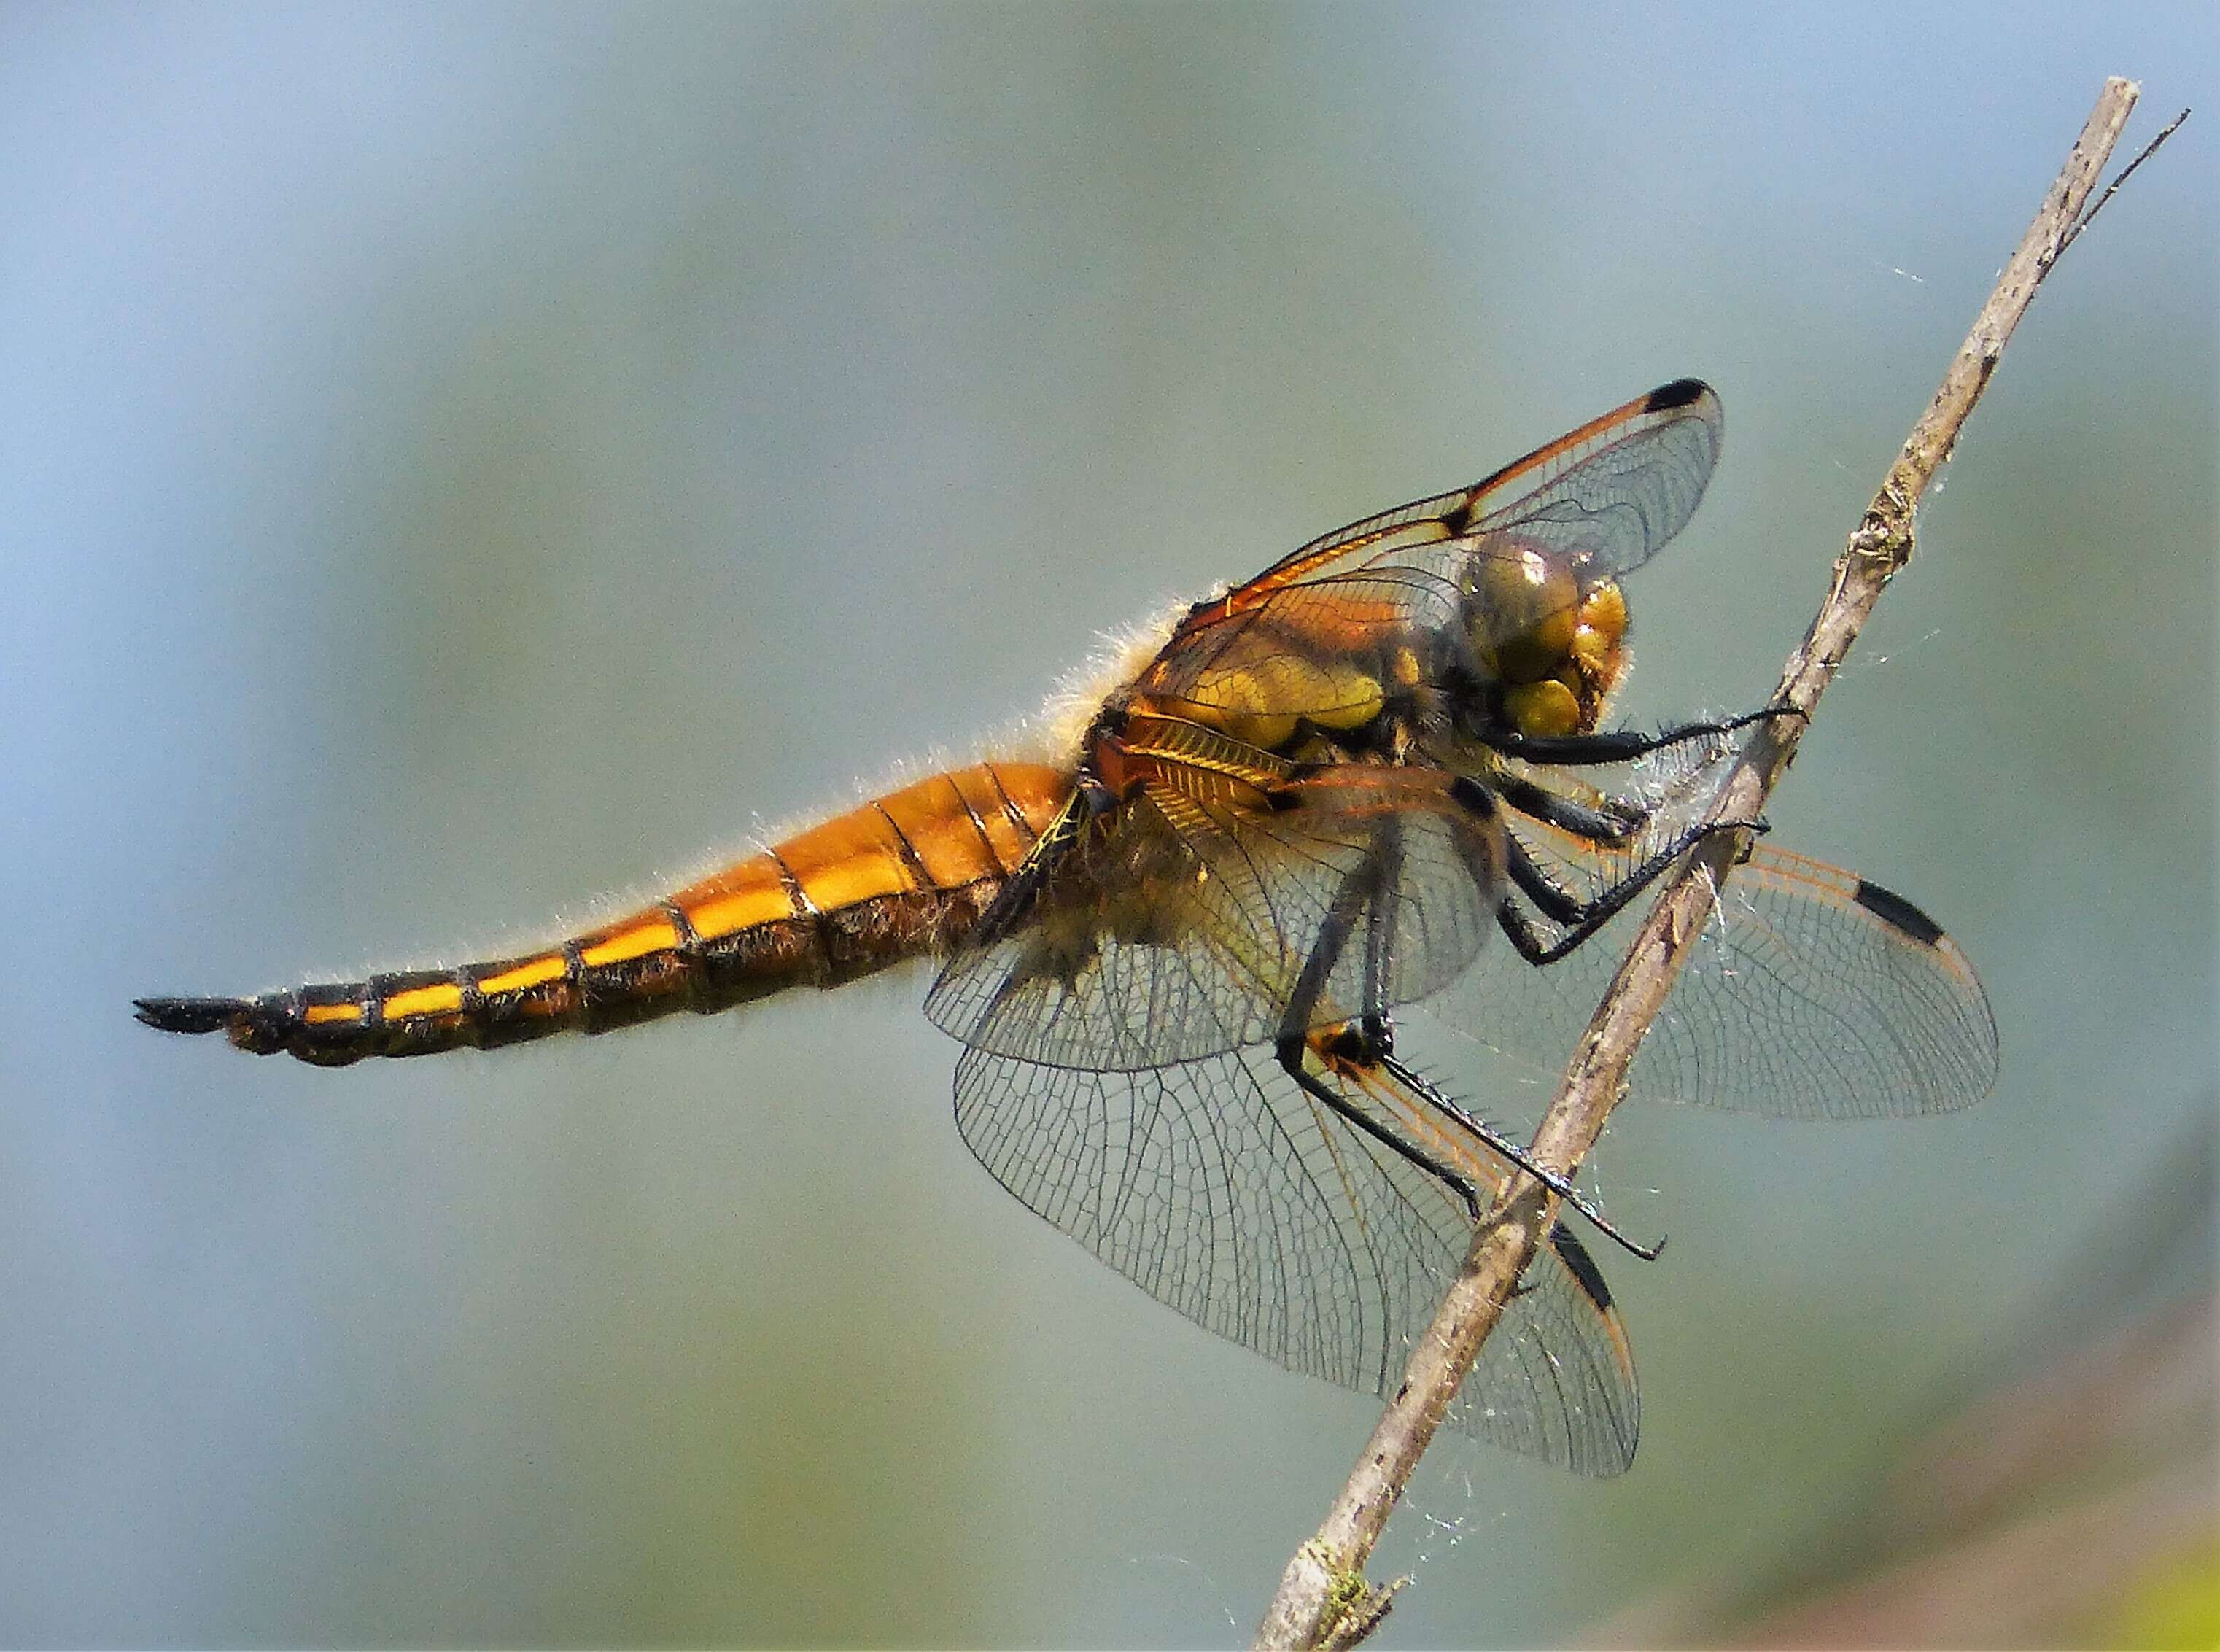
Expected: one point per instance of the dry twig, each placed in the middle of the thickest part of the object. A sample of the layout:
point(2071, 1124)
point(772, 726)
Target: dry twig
point(1322, 1600)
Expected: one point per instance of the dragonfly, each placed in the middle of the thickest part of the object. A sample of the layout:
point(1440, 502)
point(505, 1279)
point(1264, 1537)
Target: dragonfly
point(1184, 945)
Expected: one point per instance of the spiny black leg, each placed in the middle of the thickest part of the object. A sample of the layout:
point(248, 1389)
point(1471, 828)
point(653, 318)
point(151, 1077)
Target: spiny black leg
point(1377, 1049)
point(1290, 1052)
point(1374, 1046)
point(1613, 826)
point(1519, 931)
point(1360, 885)
point(1379, 917)
point(1620, 746)
point(1363, 884)
point(1418, 1086)
point(1557, 903)
point(1594, 914)
point(1369, 1041)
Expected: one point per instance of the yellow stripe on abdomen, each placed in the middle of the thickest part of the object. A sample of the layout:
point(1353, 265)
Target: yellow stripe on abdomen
point(445, 999)
point(516, 977)
point(626, 944)
point(740, 897)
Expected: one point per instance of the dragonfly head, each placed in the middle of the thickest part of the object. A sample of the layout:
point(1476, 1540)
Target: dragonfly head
point(1552, 642)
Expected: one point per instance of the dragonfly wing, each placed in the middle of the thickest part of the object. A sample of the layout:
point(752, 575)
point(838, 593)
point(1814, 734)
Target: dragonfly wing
point(1203, 912)
point(1613, 492)
point(1822, 995)
point(1321, 632)
point(1225, 1191)
point(1304, 651)
point(1812, 994)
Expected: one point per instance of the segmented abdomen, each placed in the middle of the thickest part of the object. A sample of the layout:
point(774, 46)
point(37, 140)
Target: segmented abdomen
point(898, 877)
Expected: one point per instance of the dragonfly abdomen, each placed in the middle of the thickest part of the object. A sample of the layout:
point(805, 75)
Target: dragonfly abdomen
point(898, 877)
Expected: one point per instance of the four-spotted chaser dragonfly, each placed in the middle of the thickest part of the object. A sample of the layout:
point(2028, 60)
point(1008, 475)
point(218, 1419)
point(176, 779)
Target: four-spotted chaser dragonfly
point(1370, 783)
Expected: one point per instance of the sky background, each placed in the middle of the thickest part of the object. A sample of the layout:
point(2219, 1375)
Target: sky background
point(465, 463)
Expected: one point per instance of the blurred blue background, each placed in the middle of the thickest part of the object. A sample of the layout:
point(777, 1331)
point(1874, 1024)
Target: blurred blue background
point(464, 462)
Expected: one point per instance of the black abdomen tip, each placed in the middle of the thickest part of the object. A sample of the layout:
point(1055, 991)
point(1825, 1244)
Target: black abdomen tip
point(191, 1015)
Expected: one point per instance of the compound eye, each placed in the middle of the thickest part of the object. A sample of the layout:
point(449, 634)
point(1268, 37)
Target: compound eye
point(1604, 609)
point(1592, 650)
point(1540, 648)
point(1524, 612)
point(1542, 710)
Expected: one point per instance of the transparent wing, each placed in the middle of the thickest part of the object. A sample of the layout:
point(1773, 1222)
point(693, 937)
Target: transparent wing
point(1591, 505)
point(1203, 914)
point(1613, 491)
point(1311, 650)
point(1812, 994)
point(1223, 1190)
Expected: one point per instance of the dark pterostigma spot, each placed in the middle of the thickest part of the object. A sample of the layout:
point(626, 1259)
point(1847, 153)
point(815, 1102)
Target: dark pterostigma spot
point(1893, 909)
point(1584, 1270)
point(1678, 394)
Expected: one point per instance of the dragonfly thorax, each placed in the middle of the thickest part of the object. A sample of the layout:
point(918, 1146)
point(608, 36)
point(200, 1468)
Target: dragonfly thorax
point(1527, 643)
point(1277, 687)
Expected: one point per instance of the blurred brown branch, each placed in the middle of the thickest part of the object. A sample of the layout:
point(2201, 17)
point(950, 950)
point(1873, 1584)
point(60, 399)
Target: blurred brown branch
point(1322, 1600)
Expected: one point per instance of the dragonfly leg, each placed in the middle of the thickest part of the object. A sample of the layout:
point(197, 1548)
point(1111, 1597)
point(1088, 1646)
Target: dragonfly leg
point(1619, 745)
point(1612, 826)
point(1361, 892)
point(1370, 1050)
point(1292, 1057)
point(1418, 1085)
point(1581, 919)
point(1367, 1046)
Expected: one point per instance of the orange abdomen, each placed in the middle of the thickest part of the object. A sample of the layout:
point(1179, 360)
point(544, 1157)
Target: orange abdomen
point(899, 877)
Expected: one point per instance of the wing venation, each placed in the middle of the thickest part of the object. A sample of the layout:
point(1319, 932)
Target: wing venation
point(1224, 1192)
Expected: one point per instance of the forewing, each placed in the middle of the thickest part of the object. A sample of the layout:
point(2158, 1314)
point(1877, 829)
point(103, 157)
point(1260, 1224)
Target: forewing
point(1201, 913)
point(1222, 1189)
point(1594, 503)
point(1612, 492)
